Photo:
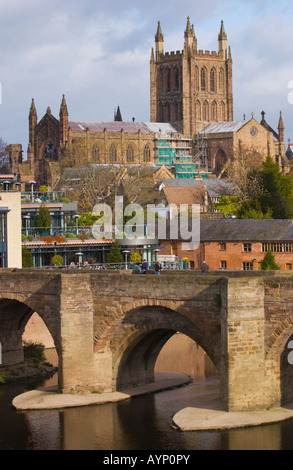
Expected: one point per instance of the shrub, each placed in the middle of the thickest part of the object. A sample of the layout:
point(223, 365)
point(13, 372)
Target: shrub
point(269, 262)
point(70, 235)
point(135, 257)
point(57, 260)
point(34, 350)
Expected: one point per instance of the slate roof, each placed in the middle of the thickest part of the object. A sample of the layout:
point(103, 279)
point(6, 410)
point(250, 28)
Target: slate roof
point(115, 126)
point(247, 230)
point(215, 187)
point(219, 127)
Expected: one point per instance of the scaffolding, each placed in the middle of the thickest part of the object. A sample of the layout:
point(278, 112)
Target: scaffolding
point(201, 156)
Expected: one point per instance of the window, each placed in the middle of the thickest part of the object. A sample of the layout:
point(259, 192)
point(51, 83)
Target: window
point(113, 154)
point(277, 247)
point(213, 80)
point(248, 266)
point(223, 264)
point(176, 79)
point(247, 247)
point(205, 111)
point(203, 79)
point(289, 266)
point(168, 81)
point(130, 154)
point(223, 246)
point(96, 154)
point(146, 154)
point(214, 111)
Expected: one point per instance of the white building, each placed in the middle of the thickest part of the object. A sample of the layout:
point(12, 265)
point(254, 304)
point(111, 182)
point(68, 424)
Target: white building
point(10, 229)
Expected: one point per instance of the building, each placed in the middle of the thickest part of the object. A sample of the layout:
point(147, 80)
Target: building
point(10, 230)
point(191, 88)
point(224, 141)
point(191, 132)
point(233, 244)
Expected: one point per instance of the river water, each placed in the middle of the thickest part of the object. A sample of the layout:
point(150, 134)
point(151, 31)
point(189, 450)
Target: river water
point(141, 423)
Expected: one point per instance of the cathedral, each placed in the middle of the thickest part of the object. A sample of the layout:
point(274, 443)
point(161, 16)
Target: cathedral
point(191, 123)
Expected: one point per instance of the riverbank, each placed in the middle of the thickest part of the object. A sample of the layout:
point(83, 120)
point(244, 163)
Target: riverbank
point(29, 369)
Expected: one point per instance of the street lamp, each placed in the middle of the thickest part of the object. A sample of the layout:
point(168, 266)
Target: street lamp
point(80, 255)
point(26, 217)
point(76, 217)
point(126, 253)
point(32, 190)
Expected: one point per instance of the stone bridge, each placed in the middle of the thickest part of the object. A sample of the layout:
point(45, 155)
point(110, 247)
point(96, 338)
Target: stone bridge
point(109, 327)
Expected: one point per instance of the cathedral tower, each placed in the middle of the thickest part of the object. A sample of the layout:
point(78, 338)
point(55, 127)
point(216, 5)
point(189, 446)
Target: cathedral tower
point(191, 88)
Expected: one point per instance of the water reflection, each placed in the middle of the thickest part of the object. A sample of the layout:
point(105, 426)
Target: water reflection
point(142, 423)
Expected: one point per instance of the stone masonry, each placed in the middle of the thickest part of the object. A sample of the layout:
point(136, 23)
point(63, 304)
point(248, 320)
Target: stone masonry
point(109, 327)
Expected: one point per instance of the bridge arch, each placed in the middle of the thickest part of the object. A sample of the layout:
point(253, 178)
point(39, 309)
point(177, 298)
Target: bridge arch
point(139, 338)
point(15, 312)
point(277, 360)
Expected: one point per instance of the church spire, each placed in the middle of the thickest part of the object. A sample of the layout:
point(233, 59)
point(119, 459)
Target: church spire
point(117, 116)
point(159, 40)
point(281, 128)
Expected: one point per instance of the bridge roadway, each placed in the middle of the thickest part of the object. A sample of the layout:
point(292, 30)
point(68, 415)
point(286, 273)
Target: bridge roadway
point(109, 327)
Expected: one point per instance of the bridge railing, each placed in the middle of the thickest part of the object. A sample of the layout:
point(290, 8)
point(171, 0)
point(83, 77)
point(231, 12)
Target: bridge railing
point(166, 265)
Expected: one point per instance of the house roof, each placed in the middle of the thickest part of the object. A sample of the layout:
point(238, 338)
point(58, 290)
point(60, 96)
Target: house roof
point(184, 195)
point(237, 231)
point(215, 187)
point(247, 230)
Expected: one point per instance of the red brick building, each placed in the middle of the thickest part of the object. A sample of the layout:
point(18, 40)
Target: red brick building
point(233, 244)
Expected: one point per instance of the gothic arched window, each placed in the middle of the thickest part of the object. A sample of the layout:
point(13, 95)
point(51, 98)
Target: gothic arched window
point(203, 79)
point(130, 154)
point(177, 79)
point(198, 111)
point(213, 75)
point(214, 111)
point(221, 79)
point(222, 111)
point(96, 154)
point(146, 154)
point(113, 154)
point(205, 111)
point(168, 80)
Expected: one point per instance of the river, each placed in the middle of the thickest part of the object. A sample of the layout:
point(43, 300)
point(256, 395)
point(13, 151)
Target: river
point(141, 423)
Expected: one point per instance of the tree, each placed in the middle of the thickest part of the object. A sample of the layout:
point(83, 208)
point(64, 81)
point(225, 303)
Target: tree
point(27, 258)
point(242, 170)
point(57, 260)
point(269, 262)
point(114, 255)
point(228, 204)
point(4, 158)
point(135, 257)
point(43, 219)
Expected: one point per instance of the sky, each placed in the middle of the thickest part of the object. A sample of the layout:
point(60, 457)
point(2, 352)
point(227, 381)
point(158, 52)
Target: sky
point(97, 53)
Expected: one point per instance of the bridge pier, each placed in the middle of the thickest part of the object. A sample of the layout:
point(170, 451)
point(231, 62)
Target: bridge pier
point(244, 384)
point(76, 364)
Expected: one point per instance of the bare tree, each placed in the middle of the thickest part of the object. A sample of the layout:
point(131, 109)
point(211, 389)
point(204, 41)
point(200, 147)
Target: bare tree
point(91, 183)
point(4, 158)
point(240, 171)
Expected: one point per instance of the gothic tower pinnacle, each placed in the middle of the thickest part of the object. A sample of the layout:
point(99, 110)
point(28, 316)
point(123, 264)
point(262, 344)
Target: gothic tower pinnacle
point(159, 40)
point(222, 39)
